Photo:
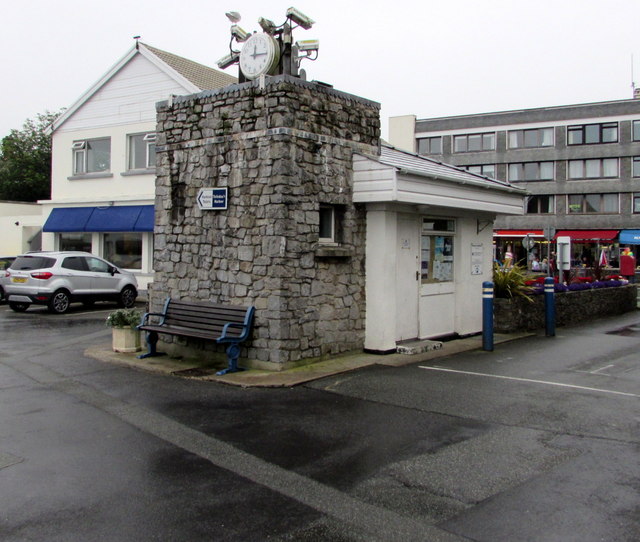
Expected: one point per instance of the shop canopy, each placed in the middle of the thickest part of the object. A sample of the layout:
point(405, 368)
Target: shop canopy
point(630, 237)
point(116, 218)
point(518, 233)
point(588, 235)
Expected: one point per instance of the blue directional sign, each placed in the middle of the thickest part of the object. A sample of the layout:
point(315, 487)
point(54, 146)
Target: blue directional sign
point(212, 199)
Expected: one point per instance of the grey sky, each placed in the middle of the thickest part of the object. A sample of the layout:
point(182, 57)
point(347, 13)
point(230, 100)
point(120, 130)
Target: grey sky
point(428, 58)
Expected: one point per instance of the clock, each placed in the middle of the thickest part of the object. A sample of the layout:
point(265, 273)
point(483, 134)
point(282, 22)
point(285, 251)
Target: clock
point(260, 55)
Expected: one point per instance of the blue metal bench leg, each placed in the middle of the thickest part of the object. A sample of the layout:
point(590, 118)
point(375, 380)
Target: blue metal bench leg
point(233, 353)
point(152, 341)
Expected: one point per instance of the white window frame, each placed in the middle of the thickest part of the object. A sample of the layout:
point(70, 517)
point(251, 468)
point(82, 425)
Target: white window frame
point(150, 140)
point(327, 217)
point(80, 156)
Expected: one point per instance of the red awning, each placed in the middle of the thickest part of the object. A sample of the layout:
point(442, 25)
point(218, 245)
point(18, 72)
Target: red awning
point(588, 235)
point(518, 233)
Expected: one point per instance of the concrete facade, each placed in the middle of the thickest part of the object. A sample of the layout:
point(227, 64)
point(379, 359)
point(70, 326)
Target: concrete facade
point(282, 150)
point(623, 185)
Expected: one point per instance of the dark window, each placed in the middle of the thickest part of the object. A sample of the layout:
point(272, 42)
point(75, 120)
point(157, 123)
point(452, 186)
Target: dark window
point(540, 205)
point(77, 263)
point(588, 134)
point(430, 145)
point(25, 263)
point(488, 170)
point(474, 142)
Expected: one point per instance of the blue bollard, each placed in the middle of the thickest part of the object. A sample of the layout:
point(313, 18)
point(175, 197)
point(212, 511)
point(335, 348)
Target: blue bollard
point(549, 307)
point(487, 316)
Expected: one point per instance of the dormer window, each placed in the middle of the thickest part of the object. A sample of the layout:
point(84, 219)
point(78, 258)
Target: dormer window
point(142, 151)
point(91, 156)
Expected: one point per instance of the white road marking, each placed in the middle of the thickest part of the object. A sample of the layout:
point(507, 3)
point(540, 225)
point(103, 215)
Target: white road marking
point(531, 381)
point(596, 371)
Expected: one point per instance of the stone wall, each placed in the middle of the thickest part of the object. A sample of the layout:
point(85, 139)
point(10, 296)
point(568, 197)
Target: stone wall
point(511, 315)
point(281, 149)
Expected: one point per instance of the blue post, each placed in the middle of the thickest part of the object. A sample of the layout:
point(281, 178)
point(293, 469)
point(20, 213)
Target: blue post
point(549, 307)
point(487, 316)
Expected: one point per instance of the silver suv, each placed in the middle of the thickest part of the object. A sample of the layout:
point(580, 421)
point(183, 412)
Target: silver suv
point(57, 279)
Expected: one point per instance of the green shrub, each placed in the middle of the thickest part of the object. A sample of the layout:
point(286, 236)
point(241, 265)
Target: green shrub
point(124, 318)
point(509, 282)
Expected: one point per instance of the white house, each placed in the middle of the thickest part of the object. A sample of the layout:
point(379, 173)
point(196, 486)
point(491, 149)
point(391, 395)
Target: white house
point(103, 158)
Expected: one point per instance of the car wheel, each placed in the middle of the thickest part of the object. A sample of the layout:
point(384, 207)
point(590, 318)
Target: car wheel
point(59, 302)
point(19, 307)
point(128, 297)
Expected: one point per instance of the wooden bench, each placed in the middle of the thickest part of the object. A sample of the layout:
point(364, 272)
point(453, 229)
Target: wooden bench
point(227, 324)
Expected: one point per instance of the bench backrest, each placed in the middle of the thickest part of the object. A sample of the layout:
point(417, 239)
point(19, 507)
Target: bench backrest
point(208, 317)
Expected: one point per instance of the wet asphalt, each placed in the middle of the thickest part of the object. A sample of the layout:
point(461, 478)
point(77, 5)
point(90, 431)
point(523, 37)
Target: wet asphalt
point(538, 440)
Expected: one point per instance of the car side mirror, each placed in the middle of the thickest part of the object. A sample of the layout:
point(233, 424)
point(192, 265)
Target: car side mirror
point(113, 270)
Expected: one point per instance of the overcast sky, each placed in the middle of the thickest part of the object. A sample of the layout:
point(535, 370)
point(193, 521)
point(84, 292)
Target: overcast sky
point(429, 58)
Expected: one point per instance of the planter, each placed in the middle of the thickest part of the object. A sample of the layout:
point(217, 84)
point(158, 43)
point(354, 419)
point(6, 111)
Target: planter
point(126, 339)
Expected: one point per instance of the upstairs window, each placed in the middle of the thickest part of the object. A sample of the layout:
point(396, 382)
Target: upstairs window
point(530, 138)
point(596, 168)
point(474, 142)
point(531, 171)
point(593, 203)
point(91, 156)
point(636, 130)
point(540, 205)
point(142, 151)
point(636, 166)
point(488, 170)
point(430, 145)
point(588, 134)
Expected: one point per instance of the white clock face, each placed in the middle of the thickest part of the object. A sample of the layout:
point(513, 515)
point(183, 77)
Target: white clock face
point(259, 55)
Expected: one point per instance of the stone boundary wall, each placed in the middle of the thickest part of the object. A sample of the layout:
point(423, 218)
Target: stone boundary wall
point(281, 150)
point(571, 308)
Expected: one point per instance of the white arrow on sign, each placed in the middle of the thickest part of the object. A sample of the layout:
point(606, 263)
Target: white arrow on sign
point(212, 198)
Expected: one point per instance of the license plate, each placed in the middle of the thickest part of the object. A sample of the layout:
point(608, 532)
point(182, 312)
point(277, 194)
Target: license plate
point(18, 279)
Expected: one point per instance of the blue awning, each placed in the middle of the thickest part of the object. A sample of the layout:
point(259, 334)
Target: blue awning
point(116, 218)
point(64, 219)
point(630, 237)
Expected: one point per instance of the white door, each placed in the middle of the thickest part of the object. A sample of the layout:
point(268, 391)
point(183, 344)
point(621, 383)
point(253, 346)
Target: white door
point(407, 278)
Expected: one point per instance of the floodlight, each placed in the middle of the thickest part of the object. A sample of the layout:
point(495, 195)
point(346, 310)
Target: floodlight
point(308, 45)
point(228, 60)
point(300, 18)
point(233, 16)
point(239, 34)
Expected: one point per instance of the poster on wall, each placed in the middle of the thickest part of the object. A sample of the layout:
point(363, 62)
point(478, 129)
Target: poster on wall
point(477, 254)
point(443, 258)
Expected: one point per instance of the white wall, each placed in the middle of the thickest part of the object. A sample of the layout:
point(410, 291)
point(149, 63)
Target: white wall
point(14, 238)
point(402, 132)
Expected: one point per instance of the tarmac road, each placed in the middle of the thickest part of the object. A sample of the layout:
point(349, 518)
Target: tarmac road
point(538, 440)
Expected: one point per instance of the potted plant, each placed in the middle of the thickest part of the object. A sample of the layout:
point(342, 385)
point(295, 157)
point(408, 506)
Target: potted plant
point(125, 336)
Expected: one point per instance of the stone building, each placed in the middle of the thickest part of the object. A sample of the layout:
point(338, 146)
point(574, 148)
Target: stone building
point(321, 227)
point(284, 152)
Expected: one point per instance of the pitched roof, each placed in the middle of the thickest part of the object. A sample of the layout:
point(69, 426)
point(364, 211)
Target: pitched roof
point(204, 77)
point(192, 76)
point(427, 167)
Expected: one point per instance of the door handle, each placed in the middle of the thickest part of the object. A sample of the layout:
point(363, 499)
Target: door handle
point(417, 275)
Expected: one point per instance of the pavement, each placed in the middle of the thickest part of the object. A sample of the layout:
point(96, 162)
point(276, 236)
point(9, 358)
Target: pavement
point(295, 376)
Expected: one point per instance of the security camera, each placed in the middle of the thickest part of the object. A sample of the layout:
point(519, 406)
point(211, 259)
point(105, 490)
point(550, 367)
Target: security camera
point(228, 60)
point(300, 18)
point(239, 34)
point(308, 45)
